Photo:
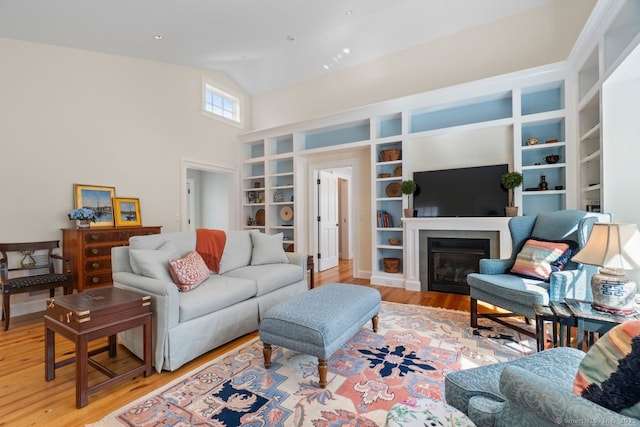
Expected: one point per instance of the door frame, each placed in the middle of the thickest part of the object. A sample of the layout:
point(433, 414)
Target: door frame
point(207, 167)
point(312, 189)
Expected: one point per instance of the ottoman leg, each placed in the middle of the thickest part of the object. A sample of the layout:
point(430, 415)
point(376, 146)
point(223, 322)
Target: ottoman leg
point(322, 372)
point(266, 351)
point(374, 323)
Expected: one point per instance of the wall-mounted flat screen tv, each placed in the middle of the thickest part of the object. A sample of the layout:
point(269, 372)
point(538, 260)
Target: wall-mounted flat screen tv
point(463, 192)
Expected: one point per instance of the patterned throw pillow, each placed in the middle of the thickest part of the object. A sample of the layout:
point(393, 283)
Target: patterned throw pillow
point(609, 374)
point(189, 271)
point(539, 258)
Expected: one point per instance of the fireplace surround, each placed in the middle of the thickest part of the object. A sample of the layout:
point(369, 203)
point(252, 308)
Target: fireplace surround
point(417, 231)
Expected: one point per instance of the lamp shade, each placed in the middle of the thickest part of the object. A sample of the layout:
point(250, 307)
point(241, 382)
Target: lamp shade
point(612, 245)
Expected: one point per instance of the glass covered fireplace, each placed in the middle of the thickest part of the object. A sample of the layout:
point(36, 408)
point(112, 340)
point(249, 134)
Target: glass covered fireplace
point(450, 260)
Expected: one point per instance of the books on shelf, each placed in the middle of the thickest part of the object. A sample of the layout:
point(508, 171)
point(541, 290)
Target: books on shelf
point(384, 219)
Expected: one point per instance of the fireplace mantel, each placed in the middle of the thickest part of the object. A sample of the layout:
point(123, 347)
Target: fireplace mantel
point(411, 238)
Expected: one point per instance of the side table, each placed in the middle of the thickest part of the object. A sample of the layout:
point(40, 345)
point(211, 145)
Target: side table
point(90, 315)
point(593, 321)
point(574, 314)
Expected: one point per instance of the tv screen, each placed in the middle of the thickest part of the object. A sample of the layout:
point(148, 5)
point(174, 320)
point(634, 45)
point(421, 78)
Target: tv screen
point(463, 192)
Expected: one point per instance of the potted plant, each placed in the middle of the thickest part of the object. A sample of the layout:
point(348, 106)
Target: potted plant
point(82, 216)
point(408, 187)
point(511, 180)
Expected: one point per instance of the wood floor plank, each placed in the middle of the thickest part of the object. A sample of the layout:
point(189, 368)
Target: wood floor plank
point(26, 399)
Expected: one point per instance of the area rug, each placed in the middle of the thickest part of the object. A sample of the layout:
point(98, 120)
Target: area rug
point(409, 356)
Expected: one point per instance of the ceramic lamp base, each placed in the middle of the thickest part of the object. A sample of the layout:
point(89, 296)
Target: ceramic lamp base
point(613, 292)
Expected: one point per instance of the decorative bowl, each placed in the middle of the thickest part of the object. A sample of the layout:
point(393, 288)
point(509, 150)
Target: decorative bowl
point(394, 242)
point(532, 141)
point(384, 175)
point(552, 159)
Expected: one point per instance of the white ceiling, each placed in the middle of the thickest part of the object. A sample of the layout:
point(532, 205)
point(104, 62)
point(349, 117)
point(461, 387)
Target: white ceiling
point(249, 39)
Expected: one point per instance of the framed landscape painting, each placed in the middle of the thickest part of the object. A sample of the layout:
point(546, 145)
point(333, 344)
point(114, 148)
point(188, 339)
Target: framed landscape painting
point(127, 211)
point(98, 199)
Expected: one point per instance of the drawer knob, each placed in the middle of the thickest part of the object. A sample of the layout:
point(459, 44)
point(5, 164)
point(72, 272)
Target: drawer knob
point(95, 265)
point(95, 251)
point(94, 237)
point(95, 280)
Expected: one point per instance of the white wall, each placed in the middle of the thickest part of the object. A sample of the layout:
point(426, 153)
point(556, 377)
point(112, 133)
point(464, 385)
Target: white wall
point(70, 116)
point(216, 189)
point(540, 36)
point(621, 141)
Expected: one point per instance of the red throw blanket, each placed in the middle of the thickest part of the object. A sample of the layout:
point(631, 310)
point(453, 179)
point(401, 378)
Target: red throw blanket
point(210, 245)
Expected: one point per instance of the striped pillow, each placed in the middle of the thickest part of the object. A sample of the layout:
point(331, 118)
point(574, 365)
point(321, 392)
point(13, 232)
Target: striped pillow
point(539, 258)
point(609, 374)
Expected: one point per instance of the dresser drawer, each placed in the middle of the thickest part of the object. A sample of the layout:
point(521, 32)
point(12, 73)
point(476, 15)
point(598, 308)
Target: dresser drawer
point(98, 251)
point(97, 265)
point(105, 237)
point(97, 279)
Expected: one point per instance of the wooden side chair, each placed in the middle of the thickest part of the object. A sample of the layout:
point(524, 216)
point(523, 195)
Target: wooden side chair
point(34, 260)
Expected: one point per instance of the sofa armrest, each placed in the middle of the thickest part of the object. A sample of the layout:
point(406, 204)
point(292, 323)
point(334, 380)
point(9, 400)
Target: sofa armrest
point(165, 304)
point(529, 395)
point(300, 259)
point(495, 266)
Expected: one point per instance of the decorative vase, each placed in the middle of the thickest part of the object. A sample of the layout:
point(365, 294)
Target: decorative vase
point(83, 223)
point(408, 213)
point(511, 211)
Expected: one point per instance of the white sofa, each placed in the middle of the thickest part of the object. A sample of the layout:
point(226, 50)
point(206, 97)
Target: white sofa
point(225, 306)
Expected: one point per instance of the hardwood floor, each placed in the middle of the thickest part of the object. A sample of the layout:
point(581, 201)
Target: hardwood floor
point(26, 399)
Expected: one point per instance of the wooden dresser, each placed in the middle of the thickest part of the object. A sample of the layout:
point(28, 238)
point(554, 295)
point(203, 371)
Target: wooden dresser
point(89, 251)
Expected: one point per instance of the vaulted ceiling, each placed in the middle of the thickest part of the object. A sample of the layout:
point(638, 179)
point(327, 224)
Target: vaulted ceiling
point(261, 44)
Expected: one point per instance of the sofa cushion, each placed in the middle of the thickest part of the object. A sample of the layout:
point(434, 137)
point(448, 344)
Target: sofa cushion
point(189, 271)
point(610, 372)
point(215, 293)
point(153, 262)
point(267, 249)
point(184, 241)
point(539, 258)
point(237, 251)
point(270, 276)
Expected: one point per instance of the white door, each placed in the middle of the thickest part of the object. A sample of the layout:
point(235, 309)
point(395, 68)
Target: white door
point(329, 221)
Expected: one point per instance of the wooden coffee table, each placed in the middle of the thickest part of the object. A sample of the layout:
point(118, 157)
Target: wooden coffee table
point(91, 315)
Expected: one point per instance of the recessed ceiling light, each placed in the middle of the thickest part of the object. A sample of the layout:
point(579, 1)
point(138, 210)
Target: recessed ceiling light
point(349, 12)
point(346, 51)
point(158, 37)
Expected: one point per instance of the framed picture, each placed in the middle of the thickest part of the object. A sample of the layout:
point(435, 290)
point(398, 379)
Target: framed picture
point(127, 211)
point(98, 199)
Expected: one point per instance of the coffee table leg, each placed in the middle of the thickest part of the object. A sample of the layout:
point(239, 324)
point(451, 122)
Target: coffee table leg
point(112, 345)
point(49, 354)
point(374, 323)
point(322, 372)
point(266, 351)
point(82, 376)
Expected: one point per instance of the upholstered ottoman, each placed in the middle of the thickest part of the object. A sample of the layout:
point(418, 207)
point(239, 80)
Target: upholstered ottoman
point(320, 321)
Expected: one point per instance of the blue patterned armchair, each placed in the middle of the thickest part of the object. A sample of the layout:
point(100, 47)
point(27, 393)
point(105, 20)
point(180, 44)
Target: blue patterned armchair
point(531, 391)
point(495, 285)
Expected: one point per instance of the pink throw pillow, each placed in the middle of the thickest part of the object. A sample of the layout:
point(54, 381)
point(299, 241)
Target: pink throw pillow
point(189, 271)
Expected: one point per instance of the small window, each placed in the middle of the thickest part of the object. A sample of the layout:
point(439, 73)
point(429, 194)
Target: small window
point(220, 103)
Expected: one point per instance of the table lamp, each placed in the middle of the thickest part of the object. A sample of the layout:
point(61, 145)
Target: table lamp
point(614, 247)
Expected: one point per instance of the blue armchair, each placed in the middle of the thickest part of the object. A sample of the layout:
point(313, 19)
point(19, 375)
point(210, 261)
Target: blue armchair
point(494, 284)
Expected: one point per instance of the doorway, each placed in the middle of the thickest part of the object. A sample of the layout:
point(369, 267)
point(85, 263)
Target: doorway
point(208, 199)
point(333, 232)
